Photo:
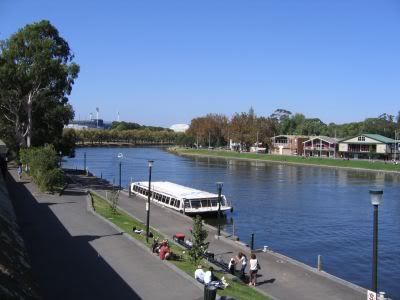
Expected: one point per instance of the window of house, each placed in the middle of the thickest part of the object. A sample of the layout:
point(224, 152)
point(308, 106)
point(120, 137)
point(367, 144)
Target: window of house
point(361, 138)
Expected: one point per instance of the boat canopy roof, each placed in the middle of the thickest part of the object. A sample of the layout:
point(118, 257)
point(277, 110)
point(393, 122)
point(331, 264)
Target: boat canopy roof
point(176, 190)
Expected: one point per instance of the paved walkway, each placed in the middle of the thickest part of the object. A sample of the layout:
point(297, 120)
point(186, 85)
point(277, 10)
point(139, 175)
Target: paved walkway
point(75, 255)
point(281, 277)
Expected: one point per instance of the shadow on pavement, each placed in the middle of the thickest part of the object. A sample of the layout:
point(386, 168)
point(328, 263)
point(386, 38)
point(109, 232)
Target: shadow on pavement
point(64, 266)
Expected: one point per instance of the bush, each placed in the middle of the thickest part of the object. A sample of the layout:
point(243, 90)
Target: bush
point(42, 165)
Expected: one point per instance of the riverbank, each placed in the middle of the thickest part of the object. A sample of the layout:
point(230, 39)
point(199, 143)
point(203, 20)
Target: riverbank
point(376, 166)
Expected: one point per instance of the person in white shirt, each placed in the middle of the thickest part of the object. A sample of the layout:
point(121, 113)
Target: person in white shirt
point(199, 274)
point(254, 266)
point(208, 276)
point(243, 263)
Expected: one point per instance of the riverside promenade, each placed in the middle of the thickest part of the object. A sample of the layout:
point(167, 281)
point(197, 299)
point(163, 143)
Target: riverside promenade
point(76, 255)
point(281, 277)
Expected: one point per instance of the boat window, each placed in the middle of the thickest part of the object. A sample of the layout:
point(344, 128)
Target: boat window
point(167, 200)
point(187, 204)
point(172, 202)
point(178, 203)
point(163, 199)
point(146, 192)
point(157, 196)
point(205, 203)
point(214, 202)
point(195, 203)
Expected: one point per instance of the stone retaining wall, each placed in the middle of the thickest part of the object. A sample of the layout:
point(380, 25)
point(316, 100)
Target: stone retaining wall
point(15, 271)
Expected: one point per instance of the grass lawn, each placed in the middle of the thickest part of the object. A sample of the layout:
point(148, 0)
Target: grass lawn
point(362, 164)
point(236, 289)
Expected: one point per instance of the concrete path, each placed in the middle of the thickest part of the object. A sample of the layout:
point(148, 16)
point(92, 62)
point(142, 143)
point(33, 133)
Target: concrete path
point(76, 255)
point(281, 277)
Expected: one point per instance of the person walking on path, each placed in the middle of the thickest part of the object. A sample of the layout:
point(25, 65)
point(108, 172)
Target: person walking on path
point(254, 267)
point(243, 263)
point(19, 171)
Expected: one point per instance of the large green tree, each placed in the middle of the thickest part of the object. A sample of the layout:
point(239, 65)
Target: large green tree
point(37, 73)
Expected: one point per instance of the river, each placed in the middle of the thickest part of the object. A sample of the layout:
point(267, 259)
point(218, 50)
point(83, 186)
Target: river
point(299, 211)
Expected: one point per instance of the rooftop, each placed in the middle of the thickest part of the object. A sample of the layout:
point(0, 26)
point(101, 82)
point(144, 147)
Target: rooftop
point(176, 190)
point(377, 137)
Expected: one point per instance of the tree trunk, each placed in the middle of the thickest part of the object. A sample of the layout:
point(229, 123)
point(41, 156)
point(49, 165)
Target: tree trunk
point(29, 128)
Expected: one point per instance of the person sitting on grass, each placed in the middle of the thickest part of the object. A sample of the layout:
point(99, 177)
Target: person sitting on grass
point(199, 274)
point(165, 251)
point(211, 280)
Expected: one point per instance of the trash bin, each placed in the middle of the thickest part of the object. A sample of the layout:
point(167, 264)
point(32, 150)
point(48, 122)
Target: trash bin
point(210, 292)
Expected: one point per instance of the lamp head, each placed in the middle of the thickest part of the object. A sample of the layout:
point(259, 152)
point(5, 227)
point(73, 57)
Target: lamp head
point(376, 196)
point(220, 184)
point(151, 162)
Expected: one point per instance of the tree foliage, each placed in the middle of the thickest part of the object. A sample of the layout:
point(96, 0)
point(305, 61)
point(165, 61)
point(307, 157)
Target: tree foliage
point(36, 76)
point(199, 236)
point(247, 128)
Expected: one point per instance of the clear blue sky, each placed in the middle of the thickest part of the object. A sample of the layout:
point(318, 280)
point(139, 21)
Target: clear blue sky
point(165, 62)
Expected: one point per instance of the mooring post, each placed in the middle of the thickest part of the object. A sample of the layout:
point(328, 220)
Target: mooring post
point(233, 229)
point(319, 263)
point(252, 242)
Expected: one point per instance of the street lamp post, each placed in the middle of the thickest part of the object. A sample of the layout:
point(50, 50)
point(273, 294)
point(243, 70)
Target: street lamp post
point(120, 156)
point(148, 202)
point(60, 159)
point(219, 185)
point(376, 200)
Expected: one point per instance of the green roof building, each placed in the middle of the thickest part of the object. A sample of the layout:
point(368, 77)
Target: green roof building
point(367, 145)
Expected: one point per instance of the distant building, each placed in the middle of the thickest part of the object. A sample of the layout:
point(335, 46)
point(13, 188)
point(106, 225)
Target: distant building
point(86, 124)
point(288, 144)
point(366, 145)
point(179, 127)
point(322, 146)
point(235, 146)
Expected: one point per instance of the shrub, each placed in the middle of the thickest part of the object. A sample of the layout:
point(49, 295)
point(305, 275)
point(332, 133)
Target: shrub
point(42, 165)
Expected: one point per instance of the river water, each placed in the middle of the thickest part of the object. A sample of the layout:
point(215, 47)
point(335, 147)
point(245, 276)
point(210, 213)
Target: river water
point(298, 211)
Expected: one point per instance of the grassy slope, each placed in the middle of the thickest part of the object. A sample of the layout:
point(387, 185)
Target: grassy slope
point(236, 289)
point(361, 164)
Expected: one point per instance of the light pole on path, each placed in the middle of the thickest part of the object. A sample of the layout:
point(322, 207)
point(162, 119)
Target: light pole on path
point(120, 157)
point(151, 162)
point(376, 200)
point(219, 185)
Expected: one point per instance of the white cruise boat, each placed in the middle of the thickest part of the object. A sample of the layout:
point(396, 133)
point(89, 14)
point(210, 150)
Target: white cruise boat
point(181, 198)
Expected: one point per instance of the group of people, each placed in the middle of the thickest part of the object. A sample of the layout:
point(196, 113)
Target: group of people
point(162, 249)
point(241, 261)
